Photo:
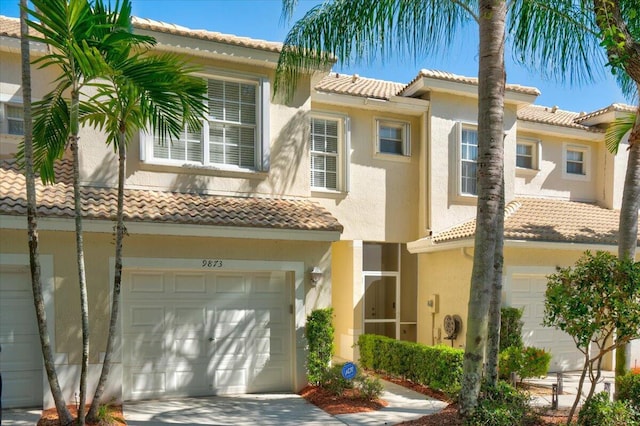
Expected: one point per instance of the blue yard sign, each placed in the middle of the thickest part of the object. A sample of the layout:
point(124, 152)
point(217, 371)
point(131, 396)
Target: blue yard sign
point(349, 371)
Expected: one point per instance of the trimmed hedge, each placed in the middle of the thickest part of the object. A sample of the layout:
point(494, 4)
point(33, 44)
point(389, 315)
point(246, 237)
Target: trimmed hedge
point(629, 389)
point(439, 367)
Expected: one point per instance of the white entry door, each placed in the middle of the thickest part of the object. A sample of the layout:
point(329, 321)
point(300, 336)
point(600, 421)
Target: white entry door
point(204, 333)
point(20, 353)
point(528, 292)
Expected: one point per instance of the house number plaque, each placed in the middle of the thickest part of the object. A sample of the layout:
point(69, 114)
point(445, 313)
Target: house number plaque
point(211, 263)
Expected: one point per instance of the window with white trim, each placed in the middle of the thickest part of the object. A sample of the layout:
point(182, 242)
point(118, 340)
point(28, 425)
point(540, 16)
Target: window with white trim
point(393, 138)
point(324, 142)
point(235, 135)
point(527, 154)
point(576, 161)
point(13, 122)
point(468, 160)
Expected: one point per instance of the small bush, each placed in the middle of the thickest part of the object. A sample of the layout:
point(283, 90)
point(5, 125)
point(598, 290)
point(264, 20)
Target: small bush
point(600, 411)
point(370, 388)
point(319, 332)
point(501, 405)
point(333, 381)
point(525, 362)
point(510, 328)
point(439, 367)
point(628, 389)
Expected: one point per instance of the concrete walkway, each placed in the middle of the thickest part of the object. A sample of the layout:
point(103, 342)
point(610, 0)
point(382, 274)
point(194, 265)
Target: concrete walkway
point(570, 387)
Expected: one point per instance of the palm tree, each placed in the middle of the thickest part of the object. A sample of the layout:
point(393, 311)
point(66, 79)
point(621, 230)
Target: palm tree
point(143, 92)
point(74, 31)
point(345, 30)
point(32, 225)
point(558, 32)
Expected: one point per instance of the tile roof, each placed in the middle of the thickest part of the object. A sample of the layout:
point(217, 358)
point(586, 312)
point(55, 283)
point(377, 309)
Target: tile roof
point(537, 219)
point(161, 207)
point(11, 27)
point(447, 76)
point(612, 107)
point(346, 84)
point(163, 27)
point(555, 117)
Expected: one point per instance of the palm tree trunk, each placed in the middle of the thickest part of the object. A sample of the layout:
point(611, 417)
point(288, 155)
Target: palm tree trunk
point(495, 303)
point(32, 226)
point(628, 226)
point(491, 83)
point(117, 282)
point(84, 304)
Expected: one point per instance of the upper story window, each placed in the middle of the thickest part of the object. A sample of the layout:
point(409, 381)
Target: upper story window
point(468, 161)
point(527, 154)
point(576, 161)
point(235, 134)
point(393, 138)
point(327, 148)
point(12, 122)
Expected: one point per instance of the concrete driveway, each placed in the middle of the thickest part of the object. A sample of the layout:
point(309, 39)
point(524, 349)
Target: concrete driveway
point(254, 409)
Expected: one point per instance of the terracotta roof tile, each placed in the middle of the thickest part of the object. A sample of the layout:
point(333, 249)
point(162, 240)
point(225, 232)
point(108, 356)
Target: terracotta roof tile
point(163, 27)
point(157, 206)
point(612, 107)
point(345, 84)
point(553, 116)
point(10, 27)
point(447, 76)
point(536, 219)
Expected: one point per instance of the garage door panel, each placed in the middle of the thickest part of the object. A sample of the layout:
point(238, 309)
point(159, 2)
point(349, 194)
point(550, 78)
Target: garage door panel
point(21, 356)
point(246, 316)
point(190, 283)
point(147, 282)
point(148, 382)
point(564, 354)
point(234, 284)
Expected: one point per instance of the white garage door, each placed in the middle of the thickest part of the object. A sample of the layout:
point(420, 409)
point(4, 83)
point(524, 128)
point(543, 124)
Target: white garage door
point(20, 356)
point(204, 333)
point(527, 290)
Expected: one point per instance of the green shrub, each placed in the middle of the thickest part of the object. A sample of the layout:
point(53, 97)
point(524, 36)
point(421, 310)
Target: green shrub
point(510, 328)
point(319, 332)
point(600, 411)
point(501, 405)
point(333, 381)
point(628, 389)
point(439, 367)
point(525, 362)
point(370, 388)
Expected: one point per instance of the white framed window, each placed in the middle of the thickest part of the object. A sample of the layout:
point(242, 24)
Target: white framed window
point(576, 160)
point(468, 137)
point(11, 119)
point(527, 154)
point(328, 150)
point(235, 135)
point(393, 138)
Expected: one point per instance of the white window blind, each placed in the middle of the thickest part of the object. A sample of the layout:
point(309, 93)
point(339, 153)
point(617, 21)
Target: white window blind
point(324, 144)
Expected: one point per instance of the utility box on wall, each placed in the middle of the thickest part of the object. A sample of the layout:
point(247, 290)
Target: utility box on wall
point(433, 304)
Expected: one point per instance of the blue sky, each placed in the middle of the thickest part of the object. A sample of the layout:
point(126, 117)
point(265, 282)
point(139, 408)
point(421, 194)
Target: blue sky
point(261, 19)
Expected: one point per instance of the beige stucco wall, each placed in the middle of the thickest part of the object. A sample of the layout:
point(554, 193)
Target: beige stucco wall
point(448, 274)
point(99, 249)
point(382, 203)
point(551, 181)
point(448, 208)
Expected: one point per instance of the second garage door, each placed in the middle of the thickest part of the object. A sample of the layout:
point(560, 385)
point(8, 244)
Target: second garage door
point(204, 333)
point(528, 292)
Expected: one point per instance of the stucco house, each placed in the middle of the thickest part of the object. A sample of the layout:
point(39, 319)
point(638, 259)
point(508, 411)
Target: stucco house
point(370, 183)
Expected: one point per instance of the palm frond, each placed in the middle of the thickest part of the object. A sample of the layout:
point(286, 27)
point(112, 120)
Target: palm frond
point(364, 30)
point(558, 38)
point(617, 130)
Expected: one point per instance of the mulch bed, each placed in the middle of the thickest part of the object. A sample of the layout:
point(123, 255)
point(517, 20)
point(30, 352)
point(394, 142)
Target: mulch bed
point(346, 404)
point(50, 416)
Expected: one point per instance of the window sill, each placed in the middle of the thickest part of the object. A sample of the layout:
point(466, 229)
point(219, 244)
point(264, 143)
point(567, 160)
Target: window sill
point(400, 158)
point(522, 171)
point(465, 199)
point(571, 176)
point(327, 193)
point(202, 169)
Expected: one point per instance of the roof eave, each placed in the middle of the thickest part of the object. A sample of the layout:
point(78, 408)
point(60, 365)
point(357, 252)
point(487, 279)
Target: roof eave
point(555, 130)
point(395, 103)
point(174, 229)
